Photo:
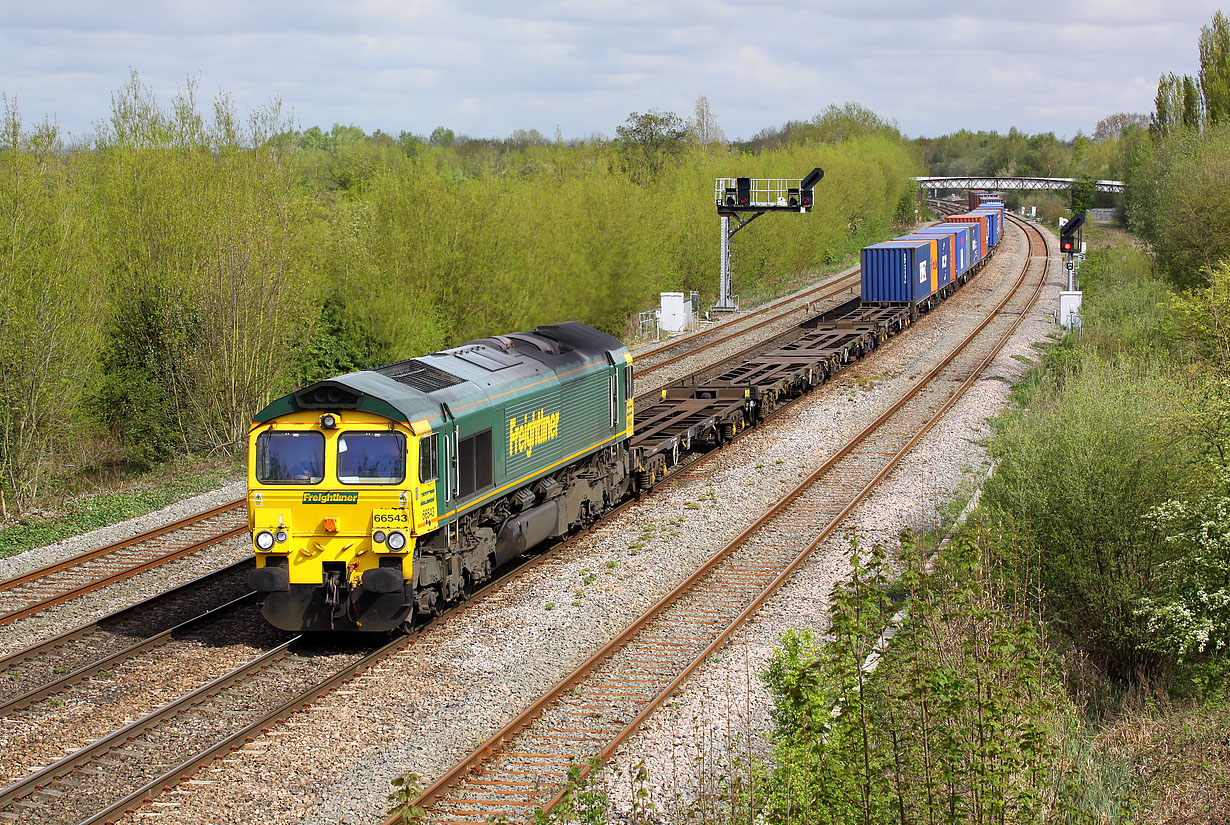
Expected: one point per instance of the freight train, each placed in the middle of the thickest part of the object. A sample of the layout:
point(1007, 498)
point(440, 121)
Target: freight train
point(386, 494)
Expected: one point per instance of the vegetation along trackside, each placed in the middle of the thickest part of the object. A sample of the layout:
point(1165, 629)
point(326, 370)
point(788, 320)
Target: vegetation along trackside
point(168, 276)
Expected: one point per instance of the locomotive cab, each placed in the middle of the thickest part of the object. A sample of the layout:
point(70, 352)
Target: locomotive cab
point(336, 502)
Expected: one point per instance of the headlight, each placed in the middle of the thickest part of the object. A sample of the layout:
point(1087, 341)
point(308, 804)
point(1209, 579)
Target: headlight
point(328, 421)
point(281, 536)
point(378, 536)
point(397, 540)
point(264, 540)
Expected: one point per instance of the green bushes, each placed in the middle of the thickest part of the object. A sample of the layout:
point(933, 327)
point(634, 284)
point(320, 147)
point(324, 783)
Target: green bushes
point(165, 281)
point(1125, 304)
point(1077, 472)
point(1178, 202)
point(947, 722)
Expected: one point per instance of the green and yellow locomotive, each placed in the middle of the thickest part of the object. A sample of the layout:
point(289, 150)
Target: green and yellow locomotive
point(390, 492)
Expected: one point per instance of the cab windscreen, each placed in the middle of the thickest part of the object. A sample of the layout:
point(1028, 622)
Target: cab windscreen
point(371, 458)
point(290, 458)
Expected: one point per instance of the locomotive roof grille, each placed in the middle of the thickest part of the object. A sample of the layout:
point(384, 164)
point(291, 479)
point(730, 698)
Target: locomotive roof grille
point(418, 375)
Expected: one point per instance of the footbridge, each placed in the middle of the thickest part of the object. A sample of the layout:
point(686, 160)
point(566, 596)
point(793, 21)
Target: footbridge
point(1026, 184)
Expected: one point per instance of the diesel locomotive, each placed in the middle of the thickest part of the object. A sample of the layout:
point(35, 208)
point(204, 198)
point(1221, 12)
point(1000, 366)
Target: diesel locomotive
point(388, 493)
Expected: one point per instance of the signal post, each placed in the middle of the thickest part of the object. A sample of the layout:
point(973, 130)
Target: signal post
point(1070, 246)
point(753, 197)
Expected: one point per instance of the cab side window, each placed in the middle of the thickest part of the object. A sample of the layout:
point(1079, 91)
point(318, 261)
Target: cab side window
point(429, 462)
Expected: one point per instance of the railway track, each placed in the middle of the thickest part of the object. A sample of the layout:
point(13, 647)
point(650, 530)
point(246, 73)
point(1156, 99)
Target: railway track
point(524, 767)
point(118, 773)
point(720, 334)
point(93, 646)
point(85, 706)
point(54, 584)
point(124, 766)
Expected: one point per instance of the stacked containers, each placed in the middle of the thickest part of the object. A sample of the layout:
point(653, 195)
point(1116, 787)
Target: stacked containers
point(996, 207)
point(973, 244)
point(901, 271)
point(959, 243)
point(979, 222)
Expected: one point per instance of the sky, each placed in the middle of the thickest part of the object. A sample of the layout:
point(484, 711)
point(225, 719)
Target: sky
point(485, 68)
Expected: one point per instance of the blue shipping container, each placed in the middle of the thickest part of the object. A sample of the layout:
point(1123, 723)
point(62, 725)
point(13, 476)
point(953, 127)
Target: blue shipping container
point(979, 222)
point(960, 235)
point(945, 268)
point(898, 271)
point(995, 225)
point(973, 244)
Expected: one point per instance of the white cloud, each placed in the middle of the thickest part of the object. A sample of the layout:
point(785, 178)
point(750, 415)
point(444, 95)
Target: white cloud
point(485, 68)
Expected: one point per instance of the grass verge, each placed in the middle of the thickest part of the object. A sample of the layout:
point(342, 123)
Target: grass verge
point(163, 486)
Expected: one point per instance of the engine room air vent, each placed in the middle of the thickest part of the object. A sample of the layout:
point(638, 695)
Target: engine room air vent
point(418, 375)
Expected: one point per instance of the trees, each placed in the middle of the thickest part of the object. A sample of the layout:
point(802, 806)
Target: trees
point(703, 125)
point(648, 140)
point(1113, 127)
point(1215, 69)
point(850, 120)
point(1084, 188)
point(49, 325)
point(440, 136)
point(1174, 199)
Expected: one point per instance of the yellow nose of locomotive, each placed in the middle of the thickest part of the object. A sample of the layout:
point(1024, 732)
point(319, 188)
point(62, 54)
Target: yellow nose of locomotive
point(331, 526)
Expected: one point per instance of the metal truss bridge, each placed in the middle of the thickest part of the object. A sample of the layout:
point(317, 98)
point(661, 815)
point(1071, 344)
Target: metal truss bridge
point(1027, 184)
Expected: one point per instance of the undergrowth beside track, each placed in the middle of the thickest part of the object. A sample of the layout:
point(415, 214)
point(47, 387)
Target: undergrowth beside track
point(1067, 660)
